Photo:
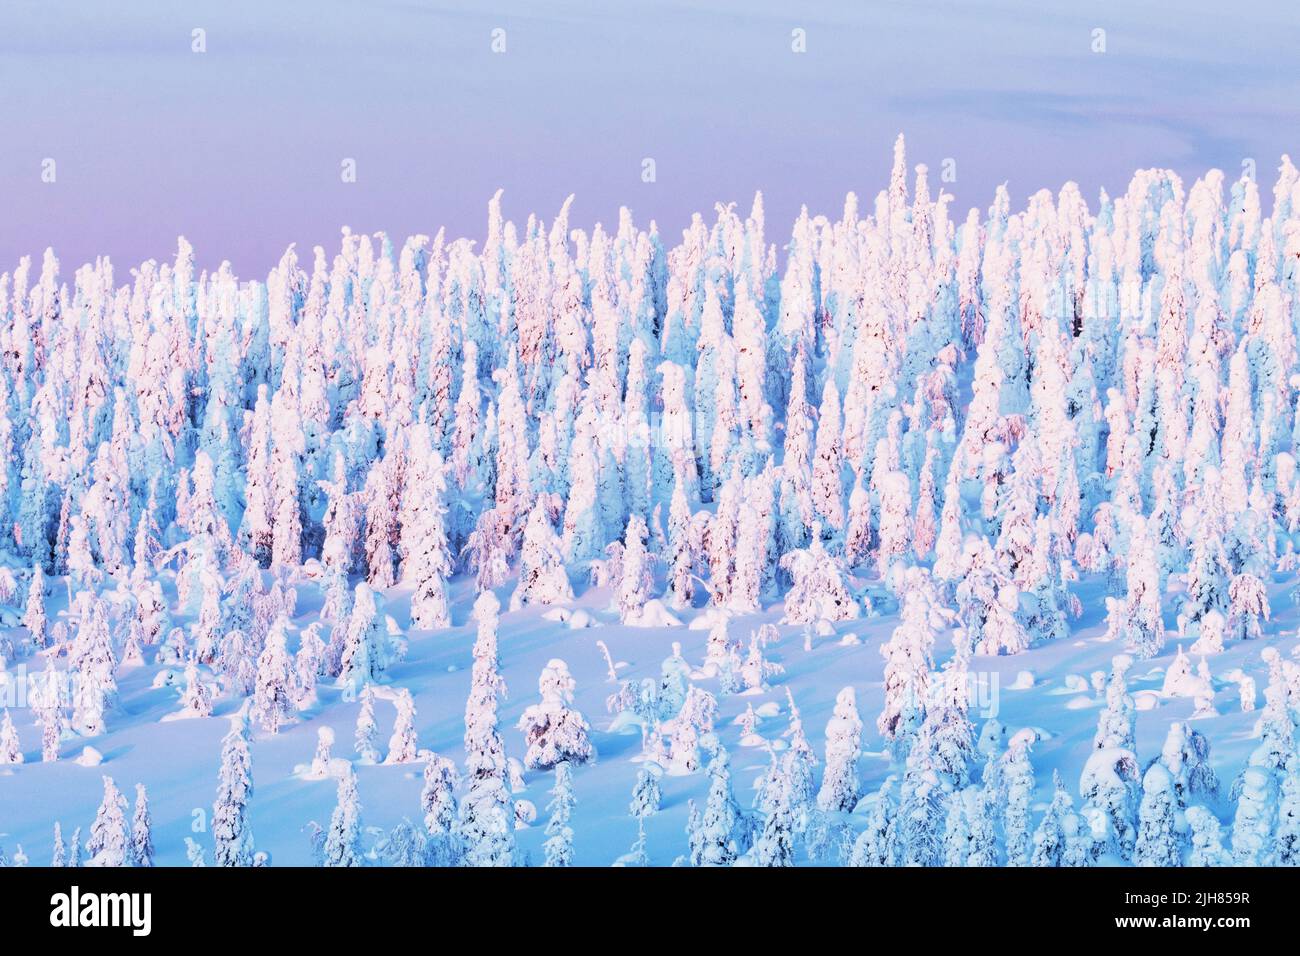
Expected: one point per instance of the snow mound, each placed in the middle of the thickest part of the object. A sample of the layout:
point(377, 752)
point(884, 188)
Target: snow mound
point(1024, 680)
point(654, 614)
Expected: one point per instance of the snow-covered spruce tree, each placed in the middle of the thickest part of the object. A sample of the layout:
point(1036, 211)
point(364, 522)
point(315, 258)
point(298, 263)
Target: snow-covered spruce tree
point(366, 728)
point(1158, 840)
point(828, 463)
point(775, 845)
point(1287, 838)
point(983, 844)
point(635, 583)
point(487, 812)
point(945, 741)
point(141, 829)
point(34, 618)
point(818, 591)
point(1116, 724)
point(646, 795)
point(1109, 787)
point(367, 649)
point(858, 527)
point(381, 520)
point(438, 802)
point(559, 834)
point(1018, 783)
point(11, 750)
point(756, 668)
point(60, 854)
point(1144, 631)
point(1208, 574)
point(1206, 839)
point(719, 832)
point(988, 602)
point(921, 816)
point(274, 693)
point(427, 560)
point(542, 578)
point(877, 844)
point(403, 745)
point(839, 790)
point(109, 843)
point(1255, 820)
point(232, 836)
point(909, 659)
point(895, 534)
point(956, 828)
point(51, 717)
point(1051, 836)
point(553, 729)
point(343, 839)
point(1248, 609)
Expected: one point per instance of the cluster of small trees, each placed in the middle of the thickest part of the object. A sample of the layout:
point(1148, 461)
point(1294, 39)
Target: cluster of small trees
point(972, 413)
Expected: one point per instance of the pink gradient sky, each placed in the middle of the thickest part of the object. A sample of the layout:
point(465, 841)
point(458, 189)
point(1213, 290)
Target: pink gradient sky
point(239, 148)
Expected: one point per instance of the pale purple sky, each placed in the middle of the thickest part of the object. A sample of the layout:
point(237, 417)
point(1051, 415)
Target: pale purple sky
point(239, 148)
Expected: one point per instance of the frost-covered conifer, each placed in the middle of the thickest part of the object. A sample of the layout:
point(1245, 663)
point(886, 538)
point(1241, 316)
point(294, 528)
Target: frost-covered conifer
point(818, 592)
point(775, 845)
point(1116, 723)
point(839, 790)
point(232, 836)
point(559, 834)
point(1207, 839)
point(141, 830)
point(909, 659)
point(402, 745)
point(274, 694)
point(34, 618)
point(542, 578)
point(1256, 817)
point(427, 561)
point(1158, 842)
point(1018, 784)
point(11, 750)
point(109, 843)
point(635, 583)
point(343, 839)
point(1144, 631)
point(1051, 838)
point(366, 728)
point(877, 844)
point(553, 729)
point(719, 830)
point(1109, 787)
point(487, 812)
point(646, 794)
point(367, 651)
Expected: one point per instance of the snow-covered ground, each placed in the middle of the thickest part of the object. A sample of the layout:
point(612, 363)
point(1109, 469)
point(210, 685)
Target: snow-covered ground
point(178, 760)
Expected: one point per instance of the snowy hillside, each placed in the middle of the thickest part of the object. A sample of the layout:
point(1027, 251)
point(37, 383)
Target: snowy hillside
point(921, 542)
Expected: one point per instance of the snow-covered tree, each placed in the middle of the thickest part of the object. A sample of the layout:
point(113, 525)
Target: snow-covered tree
point(839, 790)
point(343, 839)
point(1158, 842)
point(109, 843)
point(232, 836)
point(646, 795)
point(559, 834)
point(553, 729)
point(542, 578)
point(141, 829)
point(402, 745)
point(274, 693)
